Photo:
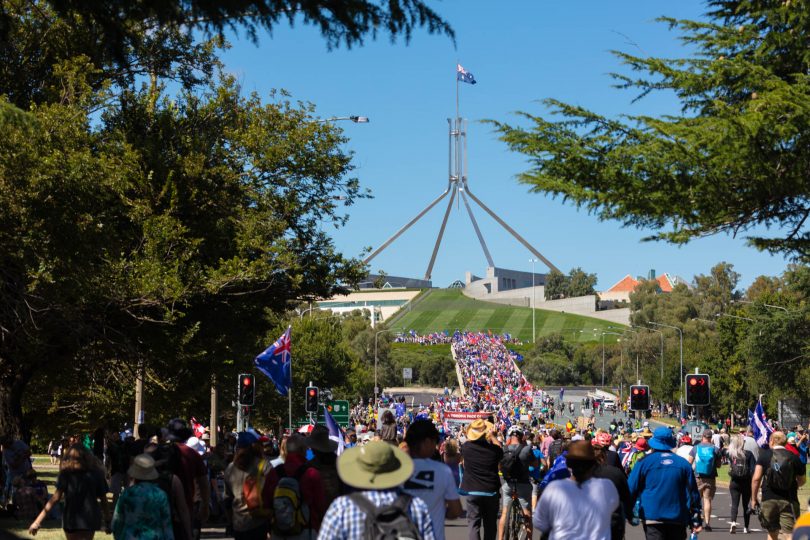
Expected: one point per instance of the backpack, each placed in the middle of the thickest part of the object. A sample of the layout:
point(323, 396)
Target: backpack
point(255, 492)
point(555, 449)
point(704, 459)
point(391, 522)
point(739, 467)
point(780, 475)
point(511, 466)
point(290, 513)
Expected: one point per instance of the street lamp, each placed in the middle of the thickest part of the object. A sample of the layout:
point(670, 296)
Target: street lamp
point(534, 303)
point(680, 332)
point(355, 119)
point(786, 310)
point(376, 388)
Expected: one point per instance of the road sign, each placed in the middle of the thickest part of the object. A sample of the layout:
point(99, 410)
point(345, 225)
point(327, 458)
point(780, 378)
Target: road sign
point(339, 409)
point(407, 373)
point(537, 402)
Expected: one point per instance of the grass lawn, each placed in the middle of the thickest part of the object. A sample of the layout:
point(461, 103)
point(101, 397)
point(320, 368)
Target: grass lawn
point(51, 529)
point(449, 309)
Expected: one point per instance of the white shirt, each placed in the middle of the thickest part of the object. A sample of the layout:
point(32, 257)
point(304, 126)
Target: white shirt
point(575, 512)
point(684, 451)
point(432, 482)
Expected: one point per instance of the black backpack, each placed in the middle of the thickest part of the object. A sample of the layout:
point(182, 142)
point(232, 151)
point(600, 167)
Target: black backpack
point(739, 467)
point(555, 449)
point(781, 476)
point(511, 465)
point(391, 522)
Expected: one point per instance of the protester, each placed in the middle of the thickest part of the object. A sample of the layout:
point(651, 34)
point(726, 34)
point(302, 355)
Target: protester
point(191, 470)
point(451, 456)
point(248, 460)
point(325, 462)
point(780, 474)
point(741, 464)
point(16, 463)
point(580, 507)
point(431, 481)
point(685, 447)
point(377, 470)
point(142, 512)
point(481, 455)
point(665, 487)
point(706, 459)
point(616, 476)
point(172, 487)
point(516, 477)
point(83, 489)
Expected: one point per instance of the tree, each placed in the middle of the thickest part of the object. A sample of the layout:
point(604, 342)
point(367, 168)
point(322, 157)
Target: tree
point(580, 283)
point(731, 162)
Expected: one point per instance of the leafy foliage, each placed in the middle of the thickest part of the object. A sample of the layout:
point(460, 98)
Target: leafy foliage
point(576, 283)
point(732, 161)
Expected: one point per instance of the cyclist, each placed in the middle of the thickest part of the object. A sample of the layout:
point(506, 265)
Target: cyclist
point(518, 458)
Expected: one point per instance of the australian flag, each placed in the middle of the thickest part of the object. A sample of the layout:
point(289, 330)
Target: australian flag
point(463, 75)
point(275, 363)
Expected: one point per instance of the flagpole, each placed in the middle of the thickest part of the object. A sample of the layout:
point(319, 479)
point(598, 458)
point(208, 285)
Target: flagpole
point(289, 390)
point(457, 64)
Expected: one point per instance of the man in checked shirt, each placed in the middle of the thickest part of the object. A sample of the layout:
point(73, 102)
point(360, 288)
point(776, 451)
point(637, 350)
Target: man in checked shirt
point(377, 471)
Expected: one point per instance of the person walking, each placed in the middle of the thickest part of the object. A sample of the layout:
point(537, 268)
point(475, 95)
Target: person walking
point(431, 480)
point(741, 464)
point(324, 461)
point(706, 459)
point(616, 475)
point(516, 477)
point(378, 471)
point(665, 487)
point(142, 511)
point(579, 507)
point(780, 474)
point(82, 487)
point(481, 455)
point(247, 461)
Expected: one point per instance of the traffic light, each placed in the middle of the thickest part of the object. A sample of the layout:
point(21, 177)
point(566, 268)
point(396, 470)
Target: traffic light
point(312, 399)
point(639, 397)
point(247, 389)
point(698, 390)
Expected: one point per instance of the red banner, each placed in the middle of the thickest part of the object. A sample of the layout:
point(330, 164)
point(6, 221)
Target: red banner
point(466, 416)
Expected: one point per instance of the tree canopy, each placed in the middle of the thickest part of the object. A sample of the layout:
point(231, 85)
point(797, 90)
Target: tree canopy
point(733, 161)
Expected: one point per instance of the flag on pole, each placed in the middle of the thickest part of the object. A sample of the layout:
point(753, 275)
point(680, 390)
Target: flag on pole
point(275, 362)
point(761, 428)
point(463, 75)
point(335, 433)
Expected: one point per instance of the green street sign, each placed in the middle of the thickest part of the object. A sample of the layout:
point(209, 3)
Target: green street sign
point(339, 409)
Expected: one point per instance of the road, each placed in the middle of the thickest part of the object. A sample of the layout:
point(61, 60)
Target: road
point(457, 529)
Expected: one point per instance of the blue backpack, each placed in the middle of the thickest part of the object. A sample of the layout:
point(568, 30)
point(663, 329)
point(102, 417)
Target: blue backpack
point(704, 460)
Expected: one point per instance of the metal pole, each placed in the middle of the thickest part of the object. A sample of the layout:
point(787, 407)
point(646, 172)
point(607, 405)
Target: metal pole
point(212, 423)
point(534, 304)
point(603, 360)
point(477, 230)
point(441, 234)
point(139, 416)
point(376, 387)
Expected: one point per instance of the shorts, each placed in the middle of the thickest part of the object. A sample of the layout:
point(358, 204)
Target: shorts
point(707, 487)
point(536, 488)
point(778, 514)
point(524, 493)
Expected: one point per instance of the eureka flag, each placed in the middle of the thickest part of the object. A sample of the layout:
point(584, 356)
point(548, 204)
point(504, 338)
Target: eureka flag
point(275, 362)
point(463, 75)
point(335, 433)
point(761, 428)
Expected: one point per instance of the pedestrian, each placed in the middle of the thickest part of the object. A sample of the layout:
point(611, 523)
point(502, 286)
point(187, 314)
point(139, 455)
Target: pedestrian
point(325, 462)
point(378, 471)
point(616, 475)
point(431, 480)
point(82, 488)
point(190, 468)
point(248, 461)
point(452, 458)
point(143, 511)
point(666, 491)
point(16, 463)
point(579, 507)
point(481, 455)
point(780, 474)
point(750, 443)
point(685, 447)
point(388, 430)
point(706, 459)
point(517, 460)
point(741, 465)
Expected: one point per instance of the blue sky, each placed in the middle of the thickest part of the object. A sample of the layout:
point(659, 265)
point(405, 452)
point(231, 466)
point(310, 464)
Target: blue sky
point(520, 52)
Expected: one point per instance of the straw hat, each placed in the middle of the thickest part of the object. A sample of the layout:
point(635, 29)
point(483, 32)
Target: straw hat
point(143, 468)
point(479, 428)
point(376, 465)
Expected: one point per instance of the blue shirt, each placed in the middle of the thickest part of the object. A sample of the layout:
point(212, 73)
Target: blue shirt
point(803, 448)
point(666, 486)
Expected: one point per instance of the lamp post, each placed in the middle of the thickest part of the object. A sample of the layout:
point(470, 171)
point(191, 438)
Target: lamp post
point(534, 303)
point(680, 333)
point(355, 119)
point(376, 388)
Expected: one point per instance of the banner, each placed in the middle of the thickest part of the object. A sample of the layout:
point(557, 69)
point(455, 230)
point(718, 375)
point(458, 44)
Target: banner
point(466, 416)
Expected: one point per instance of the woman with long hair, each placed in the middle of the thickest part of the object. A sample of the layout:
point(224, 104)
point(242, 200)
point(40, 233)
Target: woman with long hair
point(82, 486)
point(741, 464)
point(452, 458)
point(248, 460)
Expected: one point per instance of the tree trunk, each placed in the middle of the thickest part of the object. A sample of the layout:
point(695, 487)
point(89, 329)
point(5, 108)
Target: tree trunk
point(11, 415)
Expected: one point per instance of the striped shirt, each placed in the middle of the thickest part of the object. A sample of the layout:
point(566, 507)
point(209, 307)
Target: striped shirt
point(345, 521)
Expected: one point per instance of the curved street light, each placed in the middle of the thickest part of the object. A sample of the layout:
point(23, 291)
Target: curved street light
point(355, 119)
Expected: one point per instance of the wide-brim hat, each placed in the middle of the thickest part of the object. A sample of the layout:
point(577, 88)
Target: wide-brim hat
point(662, 439)
point(479, 428)
point(319, 440)
point(580, 451)
point(143, 468)
point(376, 465)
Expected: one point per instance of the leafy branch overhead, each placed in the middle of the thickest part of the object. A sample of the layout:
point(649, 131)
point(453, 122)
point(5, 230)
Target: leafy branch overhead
point(734, 161)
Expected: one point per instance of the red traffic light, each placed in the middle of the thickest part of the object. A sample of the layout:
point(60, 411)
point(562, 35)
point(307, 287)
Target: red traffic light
point(693, 381)
point(311, 391)
point(635, 391)
point(246, 381)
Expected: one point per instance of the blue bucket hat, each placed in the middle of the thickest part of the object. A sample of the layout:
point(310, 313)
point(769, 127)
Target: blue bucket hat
point(245, 439)
point(662, 439)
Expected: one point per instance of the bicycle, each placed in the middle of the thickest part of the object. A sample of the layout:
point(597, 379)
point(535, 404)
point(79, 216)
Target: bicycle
point(517, 523)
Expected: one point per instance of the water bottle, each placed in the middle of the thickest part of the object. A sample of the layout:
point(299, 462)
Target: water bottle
point(635, 520)
point(693, 536)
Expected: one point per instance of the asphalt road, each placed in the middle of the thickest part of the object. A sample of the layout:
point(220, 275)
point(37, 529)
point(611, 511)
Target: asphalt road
point(457, 529)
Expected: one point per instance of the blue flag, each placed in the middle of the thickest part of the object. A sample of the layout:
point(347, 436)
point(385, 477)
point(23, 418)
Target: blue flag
point(463, 75)
point(558, 471)
point(335, 433)
point(761, 428)
point(275, 362)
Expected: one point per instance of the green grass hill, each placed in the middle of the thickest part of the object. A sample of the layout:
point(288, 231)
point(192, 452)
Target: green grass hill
point(449, 309)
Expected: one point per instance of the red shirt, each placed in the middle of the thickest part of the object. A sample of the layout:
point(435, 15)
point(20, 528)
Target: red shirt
point(792, 449)
point(192, 467)
point(312, 490)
